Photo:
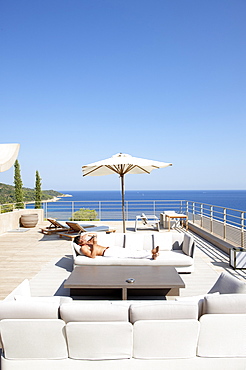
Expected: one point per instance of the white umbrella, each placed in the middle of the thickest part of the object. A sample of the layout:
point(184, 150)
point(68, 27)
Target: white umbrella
point(8, 155)
point(122, 164)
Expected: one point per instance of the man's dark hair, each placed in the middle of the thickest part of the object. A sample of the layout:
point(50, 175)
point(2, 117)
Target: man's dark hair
point(76, 239)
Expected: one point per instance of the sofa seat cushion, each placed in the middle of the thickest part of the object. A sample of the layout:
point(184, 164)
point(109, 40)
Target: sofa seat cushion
point(166, 258)
point(165, 339)
point(99, 340)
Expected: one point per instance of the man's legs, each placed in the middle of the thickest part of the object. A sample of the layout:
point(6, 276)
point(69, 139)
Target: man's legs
point(119, 252)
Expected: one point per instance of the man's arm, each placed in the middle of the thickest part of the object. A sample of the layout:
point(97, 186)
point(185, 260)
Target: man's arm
point(91, 249)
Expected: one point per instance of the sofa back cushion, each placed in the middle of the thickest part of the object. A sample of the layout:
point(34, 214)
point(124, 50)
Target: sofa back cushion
point(99, 341)
point(22, 289)
point(163, 240)
point(94, 312)
point(148, 241)
point(222, 336)
point(228, 284)
point(225, 303)
point(199, 299)
point(187, 246)
point(168, 310)
point(134, 241)
point(28, 310)
point(51, 299)
point(164, 339)
point(33, 339)
point(110, 240)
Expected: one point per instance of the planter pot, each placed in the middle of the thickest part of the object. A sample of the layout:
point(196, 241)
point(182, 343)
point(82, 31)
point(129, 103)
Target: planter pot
point(29, 220)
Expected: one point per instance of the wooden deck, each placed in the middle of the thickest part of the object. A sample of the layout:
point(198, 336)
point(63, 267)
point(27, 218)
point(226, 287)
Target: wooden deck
point(46, 260)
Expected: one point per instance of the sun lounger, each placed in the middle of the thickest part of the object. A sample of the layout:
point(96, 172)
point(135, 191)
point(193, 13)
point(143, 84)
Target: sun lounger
point(57, 226)
point(77, 228)
point(54, 227)
point(148, 220)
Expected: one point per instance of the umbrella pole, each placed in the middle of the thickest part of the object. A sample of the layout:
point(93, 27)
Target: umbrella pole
point(123, 202)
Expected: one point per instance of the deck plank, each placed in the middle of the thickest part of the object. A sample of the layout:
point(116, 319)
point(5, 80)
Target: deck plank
point(46, 261)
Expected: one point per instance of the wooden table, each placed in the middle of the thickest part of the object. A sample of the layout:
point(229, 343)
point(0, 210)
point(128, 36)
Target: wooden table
point(149, 280)
point(177, 215)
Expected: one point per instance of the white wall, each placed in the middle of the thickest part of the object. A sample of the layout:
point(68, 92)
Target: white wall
point(11, 220)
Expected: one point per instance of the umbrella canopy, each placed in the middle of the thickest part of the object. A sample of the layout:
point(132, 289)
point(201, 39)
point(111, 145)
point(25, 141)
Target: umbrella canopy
point(8, 155)
point(122, 164)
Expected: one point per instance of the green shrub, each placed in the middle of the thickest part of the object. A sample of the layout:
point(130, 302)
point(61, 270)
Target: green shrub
point(85, 214)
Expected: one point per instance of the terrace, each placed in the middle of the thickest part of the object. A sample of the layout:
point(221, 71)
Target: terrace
point(46, 260)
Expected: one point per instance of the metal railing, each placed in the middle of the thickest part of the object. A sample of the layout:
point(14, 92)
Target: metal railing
point(226, 223)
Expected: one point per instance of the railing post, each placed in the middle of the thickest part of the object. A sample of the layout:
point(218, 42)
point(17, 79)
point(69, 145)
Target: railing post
point(154, 207)
point(45, 209)
point(100, 210)
point(242, 229)
point(211, 219)
point(72, 207)
point(127, 210)
point(201, 215)
point(224, 224)
point(193, 212)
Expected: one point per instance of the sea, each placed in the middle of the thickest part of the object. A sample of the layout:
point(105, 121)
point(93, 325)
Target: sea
point(107, 204)
point(233, 199)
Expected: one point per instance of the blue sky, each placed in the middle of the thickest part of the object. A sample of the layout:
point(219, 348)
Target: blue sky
point(82, 80)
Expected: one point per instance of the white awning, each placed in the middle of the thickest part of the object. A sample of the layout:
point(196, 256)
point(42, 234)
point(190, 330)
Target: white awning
point(8, 155)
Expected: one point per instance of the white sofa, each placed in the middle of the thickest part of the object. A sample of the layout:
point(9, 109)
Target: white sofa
point(176, 249)
point(147, 335)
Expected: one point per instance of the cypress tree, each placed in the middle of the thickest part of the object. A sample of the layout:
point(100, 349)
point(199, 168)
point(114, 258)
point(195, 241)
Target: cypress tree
point(38, 192)
point(19, 197)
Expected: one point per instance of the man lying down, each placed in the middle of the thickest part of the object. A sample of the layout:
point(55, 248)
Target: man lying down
point(90, 248)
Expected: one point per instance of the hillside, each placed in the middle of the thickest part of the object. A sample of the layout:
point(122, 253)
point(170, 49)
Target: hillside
point(7, 194)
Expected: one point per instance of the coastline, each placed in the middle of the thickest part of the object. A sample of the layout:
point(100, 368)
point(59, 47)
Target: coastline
point(55, 199)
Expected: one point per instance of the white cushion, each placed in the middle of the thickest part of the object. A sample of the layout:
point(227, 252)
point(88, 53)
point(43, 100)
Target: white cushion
point(225, 303)
point(28, 310)
point(147, 241)
point(199, 300)
point(187, 244)
point(33, 339)
point(163, 240)
point(51, 299)
point(134, 241)
point(222, 336)
point(106, 240)
point(167, 310)
point(166, 258)
point(228, 284)
point(77, 248)
point(99, 341)
point(79, 311)
point(22, 289)
point(162, 339)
